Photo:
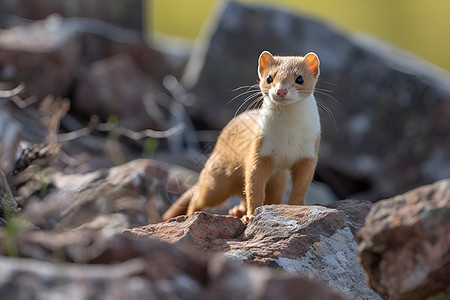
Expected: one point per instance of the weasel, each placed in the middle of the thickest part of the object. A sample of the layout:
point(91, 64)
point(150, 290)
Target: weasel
point(257, 149)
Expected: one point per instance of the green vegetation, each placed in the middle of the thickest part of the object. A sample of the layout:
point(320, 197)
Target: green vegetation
point(16, 225)
point(150, 146)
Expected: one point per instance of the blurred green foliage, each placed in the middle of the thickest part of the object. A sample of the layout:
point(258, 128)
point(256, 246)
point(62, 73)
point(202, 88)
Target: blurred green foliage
point(150, 146)
point(421, 27)
point(16, 225)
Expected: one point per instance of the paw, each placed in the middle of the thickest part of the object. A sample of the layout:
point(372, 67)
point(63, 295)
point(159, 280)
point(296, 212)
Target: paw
point(245, 219)
point(237, 211)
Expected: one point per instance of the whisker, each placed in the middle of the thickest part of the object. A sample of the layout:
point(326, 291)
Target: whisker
point(250, 89)
point(245, 87)
point(326, 82)
point(253, 96)
point(245, 101)
point(325, 108)
point(257, 102)
point(323, 90)
point(261, 103)
point(329, 96)
point(242, 94)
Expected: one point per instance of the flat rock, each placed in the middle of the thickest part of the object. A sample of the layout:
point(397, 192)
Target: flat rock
point(405, 245)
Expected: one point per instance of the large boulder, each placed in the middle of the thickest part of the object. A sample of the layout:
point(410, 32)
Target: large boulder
point(405, 245)
point(310, 240)
point(392, 127)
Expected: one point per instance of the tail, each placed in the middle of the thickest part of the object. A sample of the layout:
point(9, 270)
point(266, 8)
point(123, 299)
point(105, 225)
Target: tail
point(180, 207)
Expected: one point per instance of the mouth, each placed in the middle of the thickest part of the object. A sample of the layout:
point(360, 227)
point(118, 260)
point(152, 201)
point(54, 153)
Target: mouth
point(281, 100)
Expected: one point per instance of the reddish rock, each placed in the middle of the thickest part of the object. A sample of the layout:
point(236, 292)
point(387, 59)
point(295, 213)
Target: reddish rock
point(200, 230)
point(405, 245)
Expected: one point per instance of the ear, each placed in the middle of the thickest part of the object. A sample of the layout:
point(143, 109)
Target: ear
point(312, 62)
point(265, 60)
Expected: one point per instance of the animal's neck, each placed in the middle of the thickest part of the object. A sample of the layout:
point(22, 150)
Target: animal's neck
point(299, 112)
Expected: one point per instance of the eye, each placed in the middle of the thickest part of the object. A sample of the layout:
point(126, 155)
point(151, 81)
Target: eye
point(299, 80)
point(269, 79)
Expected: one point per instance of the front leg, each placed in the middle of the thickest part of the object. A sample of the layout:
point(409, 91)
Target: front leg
point(302, 174)
point(257, 173)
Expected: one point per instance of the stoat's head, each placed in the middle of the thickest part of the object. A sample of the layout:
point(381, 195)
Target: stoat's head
point(287, 79)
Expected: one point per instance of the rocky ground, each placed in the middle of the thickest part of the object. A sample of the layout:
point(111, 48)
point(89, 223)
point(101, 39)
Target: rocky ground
point(84, 181)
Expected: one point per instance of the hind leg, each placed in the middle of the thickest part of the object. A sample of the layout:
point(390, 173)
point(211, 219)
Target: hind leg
point(276, 187)
point(211, 191)
point(180, 207)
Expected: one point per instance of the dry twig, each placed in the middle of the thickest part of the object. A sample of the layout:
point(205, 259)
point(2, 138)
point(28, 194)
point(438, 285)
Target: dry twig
point(94, 125)
point(12, 95)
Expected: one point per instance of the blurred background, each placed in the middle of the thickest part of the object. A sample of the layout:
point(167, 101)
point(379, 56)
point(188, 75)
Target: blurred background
point(422, 27)
point(173, 66)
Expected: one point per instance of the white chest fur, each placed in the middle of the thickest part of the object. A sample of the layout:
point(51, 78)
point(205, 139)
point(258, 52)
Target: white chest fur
point(289, 132)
